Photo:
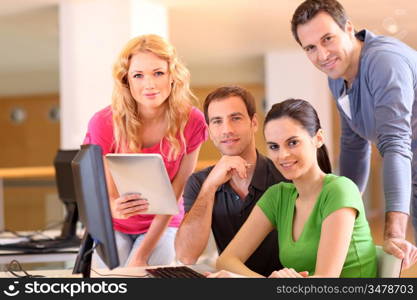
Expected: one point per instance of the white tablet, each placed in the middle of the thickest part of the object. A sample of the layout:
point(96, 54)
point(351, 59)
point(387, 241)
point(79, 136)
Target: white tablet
point(145, 174)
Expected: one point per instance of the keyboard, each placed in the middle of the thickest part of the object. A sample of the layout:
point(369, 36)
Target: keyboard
point(174, 272)
point(41, 246)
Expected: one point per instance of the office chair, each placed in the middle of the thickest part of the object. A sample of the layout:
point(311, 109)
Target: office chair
point(388, 265)
point(210, 254)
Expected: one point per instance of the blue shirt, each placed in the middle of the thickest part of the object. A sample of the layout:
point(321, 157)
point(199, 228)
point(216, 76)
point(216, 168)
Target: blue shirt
point(384, 111)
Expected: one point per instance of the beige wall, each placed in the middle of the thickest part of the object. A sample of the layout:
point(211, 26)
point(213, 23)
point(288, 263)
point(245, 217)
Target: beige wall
point(34, 142)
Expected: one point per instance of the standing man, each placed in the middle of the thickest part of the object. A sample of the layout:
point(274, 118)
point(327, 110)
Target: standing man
point(221, 197)
point(374, 79)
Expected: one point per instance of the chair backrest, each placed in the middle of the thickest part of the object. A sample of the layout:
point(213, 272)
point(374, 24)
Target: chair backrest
point(208, 257)
point(388, 265)
point(210, 254)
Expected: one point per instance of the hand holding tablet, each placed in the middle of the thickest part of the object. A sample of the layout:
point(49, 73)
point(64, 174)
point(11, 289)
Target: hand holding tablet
point(129, 205)
point(142, 176)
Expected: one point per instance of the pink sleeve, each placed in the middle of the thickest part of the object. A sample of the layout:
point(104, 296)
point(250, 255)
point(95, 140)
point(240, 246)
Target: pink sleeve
point(100, 131)
point(195, 131)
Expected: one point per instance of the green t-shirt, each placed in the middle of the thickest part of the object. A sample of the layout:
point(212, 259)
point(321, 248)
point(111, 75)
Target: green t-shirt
point(278, 204)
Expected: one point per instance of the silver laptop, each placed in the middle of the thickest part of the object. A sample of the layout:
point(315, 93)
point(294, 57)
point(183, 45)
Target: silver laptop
point(145, 174)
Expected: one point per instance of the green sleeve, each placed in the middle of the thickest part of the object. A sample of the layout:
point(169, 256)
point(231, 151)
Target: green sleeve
point(340, 193)
point(268, 203)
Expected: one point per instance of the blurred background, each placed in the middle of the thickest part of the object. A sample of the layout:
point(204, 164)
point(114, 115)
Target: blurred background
point(55, 72)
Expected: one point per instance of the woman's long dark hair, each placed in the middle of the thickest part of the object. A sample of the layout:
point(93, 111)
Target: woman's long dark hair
point(304, 113)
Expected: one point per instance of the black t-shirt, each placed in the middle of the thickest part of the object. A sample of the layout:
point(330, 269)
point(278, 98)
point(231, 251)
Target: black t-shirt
point(230, 212)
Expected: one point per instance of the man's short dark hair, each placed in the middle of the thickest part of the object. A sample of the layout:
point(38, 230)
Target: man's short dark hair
point(310, 8)
point(231, 91)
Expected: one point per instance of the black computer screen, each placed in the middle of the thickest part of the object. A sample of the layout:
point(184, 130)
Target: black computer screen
point(66, 190)
point(63, 175)
point(94, 208)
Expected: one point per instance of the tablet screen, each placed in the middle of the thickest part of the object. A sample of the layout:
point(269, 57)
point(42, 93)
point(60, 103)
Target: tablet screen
point(145, 174)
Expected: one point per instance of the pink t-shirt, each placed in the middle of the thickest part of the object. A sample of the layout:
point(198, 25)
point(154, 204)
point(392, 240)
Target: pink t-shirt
point(100, 132)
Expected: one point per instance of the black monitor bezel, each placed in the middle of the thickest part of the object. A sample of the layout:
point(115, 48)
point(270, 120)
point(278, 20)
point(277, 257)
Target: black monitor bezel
point(94, 209)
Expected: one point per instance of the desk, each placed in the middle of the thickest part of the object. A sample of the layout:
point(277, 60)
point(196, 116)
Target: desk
point(115, 273)
point(67, 254)
point(27, 172)
point(140, 271)
point(63, 255)
point(64, 273)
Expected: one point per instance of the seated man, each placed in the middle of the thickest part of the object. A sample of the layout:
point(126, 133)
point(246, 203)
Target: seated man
point(221, 197)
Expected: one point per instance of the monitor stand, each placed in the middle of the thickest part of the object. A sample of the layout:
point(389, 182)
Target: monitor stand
point(69, 228)
point(84, 257)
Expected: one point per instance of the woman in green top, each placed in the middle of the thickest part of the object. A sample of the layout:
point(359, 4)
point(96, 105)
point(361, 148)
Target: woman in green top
point(320, 218)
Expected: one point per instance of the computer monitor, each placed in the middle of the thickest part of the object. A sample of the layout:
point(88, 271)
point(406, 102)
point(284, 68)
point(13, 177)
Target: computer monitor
point(66, 191)
point(94, 210)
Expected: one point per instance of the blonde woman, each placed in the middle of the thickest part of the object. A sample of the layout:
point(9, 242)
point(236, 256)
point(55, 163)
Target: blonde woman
point(151, 112)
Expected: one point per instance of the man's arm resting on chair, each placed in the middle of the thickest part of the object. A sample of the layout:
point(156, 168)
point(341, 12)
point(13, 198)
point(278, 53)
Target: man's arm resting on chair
point(394, 238)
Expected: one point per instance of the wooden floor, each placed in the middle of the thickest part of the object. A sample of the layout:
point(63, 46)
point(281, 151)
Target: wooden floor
point(377, 227)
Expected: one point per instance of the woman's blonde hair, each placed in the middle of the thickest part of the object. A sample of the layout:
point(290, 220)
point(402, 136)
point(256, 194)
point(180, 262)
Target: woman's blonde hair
point(126, 117)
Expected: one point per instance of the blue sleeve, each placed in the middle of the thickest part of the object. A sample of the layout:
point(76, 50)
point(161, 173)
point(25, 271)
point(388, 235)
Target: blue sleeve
point(391, 84)
point(355, 156)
